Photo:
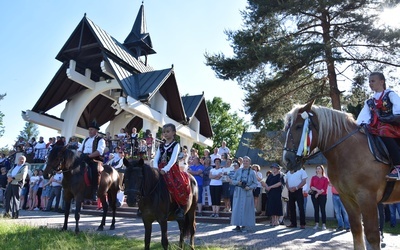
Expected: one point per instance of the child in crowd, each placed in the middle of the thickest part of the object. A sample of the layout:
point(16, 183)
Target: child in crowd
point(149, 143)
point(142, 149)
point(33, 188)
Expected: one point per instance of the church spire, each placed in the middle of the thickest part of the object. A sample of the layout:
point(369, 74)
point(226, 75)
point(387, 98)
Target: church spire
point(138, 41)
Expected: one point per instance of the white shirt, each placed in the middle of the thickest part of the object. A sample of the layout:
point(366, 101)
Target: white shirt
point(213, 157)
point(34, 180)
point(15, 170)
point(215, 182)
point(172, 160)
point(259, 175)
point(365, 114)
point(223, 150)
point(294, 179)
point(89, 144)
point(58, 177)
point(116, 162)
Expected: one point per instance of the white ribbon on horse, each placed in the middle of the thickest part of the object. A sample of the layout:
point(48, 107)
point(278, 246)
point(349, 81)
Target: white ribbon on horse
point(306, 136)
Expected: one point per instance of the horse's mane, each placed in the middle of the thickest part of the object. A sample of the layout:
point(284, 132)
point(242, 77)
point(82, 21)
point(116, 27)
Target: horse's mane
point(331, 122)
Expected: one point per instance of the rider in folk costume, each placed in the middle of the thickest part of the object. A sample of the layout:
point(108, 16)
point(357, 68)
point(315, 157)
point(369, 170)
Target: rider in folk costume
point(382, 116)
point(166, 160)
point(91, 150)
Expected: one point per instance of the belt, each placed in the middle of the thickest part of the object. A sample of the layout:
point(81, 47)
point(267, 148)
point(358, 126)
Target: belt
point(335, 194)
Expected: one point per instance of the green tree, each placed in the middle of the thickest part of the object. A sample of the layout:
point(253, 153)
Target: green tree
point(1, 117)
point(290, 51)
point(30, 130)
point(226, 126)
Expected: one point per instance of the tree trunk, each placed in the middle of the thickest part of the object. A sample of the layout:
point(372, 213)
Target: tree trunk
point(330, 62)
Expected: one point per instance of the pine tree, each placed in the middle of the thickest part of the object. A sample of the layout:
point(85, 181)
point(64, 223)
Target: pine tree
point(291, 51)
point(30, 130)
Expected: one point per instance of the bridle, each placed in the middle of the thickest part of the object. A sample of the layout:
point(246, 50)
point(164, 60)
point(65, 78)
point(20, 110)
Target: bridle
point(61, 162)
point(141, 192)
point(303, 152)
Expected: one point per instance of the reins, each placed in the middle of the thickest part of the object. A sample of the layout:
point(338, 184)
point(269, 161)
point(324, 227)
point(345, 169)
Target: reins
point(313, 155)
point(308, 132)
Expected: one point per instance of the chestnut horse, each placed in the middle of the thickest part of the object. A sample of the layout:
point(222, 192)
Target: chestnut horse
point(353, 170)
point(73, 183)
point(148, 185)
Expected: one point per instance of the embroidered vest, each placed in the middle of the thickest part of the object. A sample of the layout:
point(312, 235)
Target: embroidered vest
point(166, 153)
point(95, 143)
point(387, 105)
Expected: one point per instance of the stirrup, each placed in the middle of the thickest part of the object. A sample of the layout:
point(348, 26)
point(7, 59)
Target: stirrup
point(393, 176)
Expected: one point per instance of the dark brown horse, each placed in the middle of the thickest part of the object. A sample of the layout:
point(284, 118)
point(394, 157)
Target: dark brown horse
point(353, 170)
point(73, 183)
point(148, 185)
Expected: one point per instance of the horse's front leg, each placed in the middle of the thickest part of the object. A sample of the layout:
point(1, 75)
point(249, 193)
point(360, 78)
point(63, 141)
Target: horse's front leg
point(67, 202)
point(354, 212)
point(105, 210)
point(78, 206)
point(164, 237)
point(369, 213)
point(181, 232)
point(147, 234)
point(113, 203)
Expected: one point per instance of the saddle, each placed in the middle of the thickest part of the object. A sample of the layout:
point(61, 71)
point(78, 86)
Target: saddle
point(381, 154)
point(377, 148)
point(87, 174)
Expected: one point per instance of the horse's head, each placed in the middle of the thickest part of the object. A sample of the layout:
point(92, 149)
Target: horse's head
point(301, 136)
point(59, 158)
point(133, 180)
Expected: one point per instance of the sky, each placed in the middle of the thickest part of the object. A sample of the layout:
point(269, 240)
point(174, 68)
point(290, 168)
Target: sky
point(33, 32)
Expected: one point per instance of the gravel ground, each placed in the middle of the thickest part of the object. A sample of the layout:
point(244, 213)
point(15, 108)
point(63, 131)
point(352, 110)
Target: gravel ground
point(259, 237)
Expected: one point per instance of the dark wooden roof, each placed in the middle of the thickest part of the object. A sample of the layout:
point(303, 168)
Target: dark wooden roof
point(139, 41)
point(195, 106)
point(89, 45)
point(255, 153)
point(61, 88)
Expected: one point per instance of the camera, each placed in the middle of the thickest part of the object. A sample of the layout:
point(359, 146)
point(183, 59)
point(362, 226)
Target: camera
point(244, 184)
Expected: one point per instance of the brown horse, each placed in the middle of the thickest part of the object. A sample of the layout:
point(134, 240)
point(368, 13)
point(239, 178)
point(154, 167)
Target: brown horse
point(353, 170)
point(73, 183)
point(156, 204)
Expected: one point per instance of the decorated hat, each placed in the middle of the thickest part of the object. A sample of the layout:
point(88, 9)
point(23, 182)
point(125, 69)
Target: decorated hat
point(275, 165)
point(94, 125)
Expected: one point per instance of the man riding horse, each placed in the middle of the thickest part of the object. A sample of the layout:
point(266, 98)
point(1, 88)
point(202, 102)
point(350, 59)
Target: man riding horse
point(90, 151)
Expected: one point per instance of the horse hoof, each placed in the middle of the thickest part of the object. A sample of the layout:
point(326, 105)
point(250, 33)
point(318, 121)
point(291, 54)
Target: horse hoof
point(100, 229)
point(112, 227)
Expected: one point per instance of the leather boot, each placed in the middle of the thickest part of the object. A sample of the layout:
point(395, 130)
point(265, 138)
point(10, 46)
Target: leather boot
point(94, 194)
point(180, 214)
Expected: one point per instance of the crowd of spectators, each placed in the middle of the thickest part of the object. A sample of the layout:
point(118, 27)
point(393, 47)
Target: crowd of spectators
point(221, 178)
point(38, 192)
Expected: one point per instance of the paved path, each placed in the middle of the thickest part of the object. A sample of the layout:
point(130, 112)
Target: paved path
point(259, 237)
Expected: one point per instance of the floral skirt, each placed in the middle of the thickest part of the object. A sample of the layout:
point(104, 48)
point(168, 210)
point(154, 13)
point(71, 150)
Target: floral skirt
point(385, 130)
point(177, 184)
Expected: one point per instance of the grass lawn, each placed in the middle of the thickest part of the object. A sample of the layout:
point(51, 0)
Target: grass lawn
point(20, 237)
